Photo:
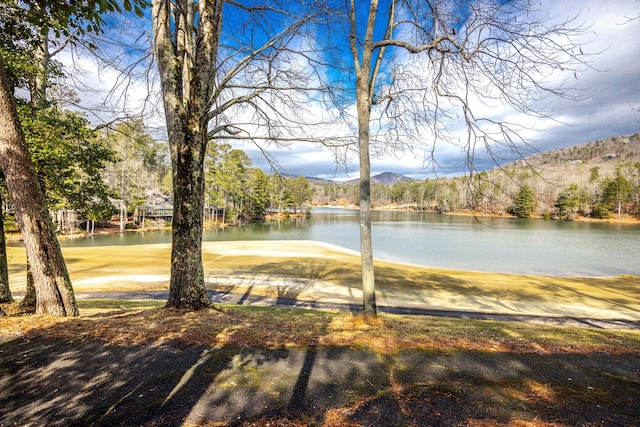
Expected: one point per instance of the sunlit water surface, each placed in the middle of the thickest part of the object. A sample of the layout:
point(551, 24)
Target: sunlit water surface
point(496, 245)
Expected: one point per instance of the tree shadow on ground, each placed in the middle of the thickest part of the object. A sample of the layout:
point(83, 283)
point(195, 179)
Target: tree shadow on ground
point(53, 381)
point(287, 280)
point(518, 294)
point(416, 290)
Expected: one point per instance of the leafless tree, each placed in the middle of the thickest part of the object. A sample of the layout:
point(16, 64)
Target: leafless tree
point(227, 70)
point(423, 67)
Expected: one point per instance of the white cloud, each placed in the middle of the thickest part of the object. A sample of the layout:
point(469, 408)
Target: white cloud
point(607, 92)
point(605, 97)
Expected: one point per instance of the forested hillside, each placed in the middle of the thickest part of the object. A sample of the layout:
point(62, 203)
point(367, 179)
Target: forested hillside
point(598, 179)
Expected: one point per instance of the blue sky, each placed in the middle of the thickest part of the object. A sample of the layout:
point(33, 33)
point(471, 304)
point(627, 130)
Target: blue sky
point(606, 97)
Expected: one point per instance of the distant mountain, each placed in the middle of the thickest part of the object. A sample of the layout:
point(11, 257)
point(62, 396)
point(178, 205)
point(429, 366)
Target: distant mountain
point(569, 164)
point(581, 173)
point(386, 178)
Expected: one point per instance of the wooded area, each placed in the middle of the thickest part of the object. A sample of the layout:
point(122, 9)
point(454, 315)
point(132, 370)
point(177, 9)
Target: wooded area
point(599, 179)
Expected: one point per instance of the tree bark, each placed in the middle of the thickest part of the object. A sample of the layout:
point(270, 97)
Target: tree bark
point(51, 278)
point(42, 61)
point(187, 37)
point(186, 75)
point(366, 240)
point(187, 289)
point(5, 291)
point(365, 82)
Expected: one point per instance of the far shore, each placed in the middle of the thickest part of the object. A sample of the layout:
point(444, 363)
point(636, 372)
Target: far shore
point(625, 219)
point(13, 235)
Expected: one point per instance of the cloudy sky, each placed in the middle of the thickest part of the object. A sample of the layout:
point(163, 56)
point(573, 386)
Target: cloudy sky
point(606, 95)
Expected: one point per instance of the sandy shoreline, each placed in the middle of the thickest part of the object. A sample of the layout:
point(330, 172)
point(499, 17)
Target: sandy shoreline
point(313, 271)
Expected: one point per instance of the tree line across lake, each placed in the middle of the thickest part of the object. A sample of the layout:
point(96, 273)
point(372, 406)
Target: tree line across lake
point(600, 179)
point(90, 176)
point(96, 175)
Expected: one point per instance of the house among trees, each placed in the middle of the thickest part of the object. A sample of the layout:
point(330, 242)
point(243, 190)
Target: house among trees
point(158, 208)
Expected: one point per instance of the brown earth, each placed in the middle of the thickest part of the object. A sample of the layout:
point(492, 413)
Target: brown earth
point(127, 364)
point(274, 367)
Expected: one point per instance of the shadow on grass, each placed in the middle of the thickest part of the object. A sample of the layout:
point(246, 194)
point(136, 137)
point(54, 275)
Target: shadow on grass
point(423, 288)
point(54, 381)
point(514, 292)
point(287, 280)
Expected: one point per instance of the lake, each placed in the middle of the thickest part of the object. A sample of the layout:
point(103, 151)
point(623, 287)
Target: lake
point(506, 245)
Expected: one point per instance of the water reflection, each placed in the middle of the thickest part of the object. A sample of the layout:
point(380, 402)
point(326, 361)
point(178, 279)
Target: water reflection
point(459, 242)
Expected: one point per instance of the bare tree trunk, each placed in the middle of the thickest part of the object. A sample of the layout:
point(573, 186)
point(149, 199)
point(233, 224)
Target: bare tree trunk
point(619, 209)
point(186, 90)
point(42, 60)
point(55, 293)
point(197, 92)
point(123, 216)
point(187, 289)
point(365, 83)
point(5, 291)
point(366, 240)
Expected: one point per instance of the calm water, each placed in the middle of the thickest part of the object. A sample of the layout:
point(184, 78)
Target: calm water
point(500, 245)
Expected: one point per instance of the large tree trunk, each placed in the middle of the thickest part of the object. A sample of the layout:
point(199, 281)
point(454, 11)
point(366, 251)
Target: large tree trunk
point(51, 279)
point(5, 291)
point(187, 289)
point(186, 92)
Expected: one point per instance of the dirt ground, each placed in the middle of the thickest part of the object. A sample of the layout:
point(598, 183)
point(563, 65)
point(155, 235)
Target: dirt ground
point(46, 379)
point(53, 382)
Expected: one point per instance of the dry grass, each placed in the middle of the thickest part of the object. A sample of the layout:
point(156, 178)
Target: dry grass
point(330, 274)
point(130, 323)
point(276, 327)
